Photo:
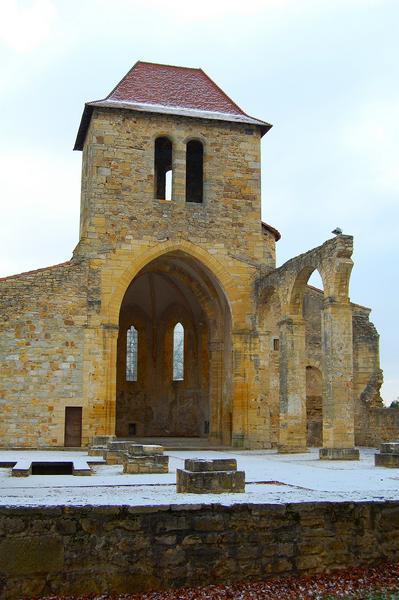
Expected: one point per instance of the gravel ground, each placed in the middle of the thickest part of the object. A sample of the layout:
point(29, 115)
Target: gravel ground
point(381, 582)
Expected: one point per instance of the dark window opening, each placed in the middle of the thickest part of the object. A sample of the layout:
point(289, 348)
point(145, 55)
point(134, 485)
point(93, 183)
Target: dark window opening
point(194, 171)
point(132, 429)
point(53, 468)
point(276, 344)
point(163, 168)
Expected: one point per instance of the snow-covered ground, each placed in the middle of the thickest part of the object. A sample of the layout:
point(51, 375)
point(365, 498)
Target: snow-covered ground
point(294, 477)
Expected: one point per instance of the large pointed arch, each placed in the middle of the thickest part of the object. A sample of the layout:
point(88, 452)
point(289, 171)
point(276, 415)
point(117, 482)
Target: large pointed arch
point(115, 290)
point(170, 284)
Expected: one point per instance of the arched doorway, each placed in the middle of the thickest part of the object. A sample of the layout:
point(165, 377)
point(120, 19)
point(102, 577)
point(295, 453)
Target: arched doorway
point(173, 353)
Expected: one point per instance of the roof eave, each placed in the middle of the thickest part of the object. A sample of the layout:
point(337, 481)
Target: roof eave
point(89, 107)
point(275, 232)
point(83, 127)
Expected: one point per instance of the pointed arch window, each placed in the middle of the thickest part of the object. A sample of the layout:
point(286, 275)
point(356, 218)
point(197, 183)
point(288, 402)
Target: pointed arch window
point(178, 352)
point(132, 339)
point(194, 171)
point(163, 168)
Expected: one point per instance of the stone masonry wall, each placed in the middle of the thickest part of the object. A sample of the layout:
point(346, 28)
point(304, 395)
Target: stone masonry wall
point(366, 373)
point(380, 425)
point(42, 320)
point(118, 187)
point(84, 550)
point(124, 227)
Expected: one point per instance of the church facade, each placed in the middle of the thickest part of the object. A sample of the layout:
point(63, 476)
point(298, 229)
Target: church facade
point(171, 318)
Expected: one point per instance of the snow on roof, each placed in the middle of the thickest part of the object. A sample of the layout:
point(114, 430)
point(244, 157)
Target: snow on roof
point(168, 89)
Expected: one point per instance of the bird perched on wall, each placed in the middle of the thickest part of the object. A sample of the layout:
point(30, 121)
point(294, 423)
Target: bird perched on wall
point(337, 231)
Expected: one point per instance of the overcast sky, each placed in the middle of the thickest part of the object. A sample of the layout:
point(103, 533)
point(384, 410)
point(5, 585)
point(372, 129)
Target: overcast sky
point(324, 72)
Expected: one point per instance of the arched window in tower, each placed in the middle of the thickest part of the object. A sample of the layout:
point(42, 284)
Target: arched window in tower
point(163, 168)
point(178, 352)
point(194, 171)
point(131, 353)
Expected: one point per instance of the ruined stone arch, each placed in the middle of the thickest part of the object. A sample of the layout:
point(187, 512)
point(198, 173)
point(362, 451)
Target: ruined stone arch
point(334, 263)
point(298, 286)
point(128, 266)
point(199, 301)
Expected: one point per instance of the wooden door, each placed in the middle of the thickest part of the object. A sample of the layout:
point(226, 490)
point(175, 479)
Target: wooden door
point(73, 426)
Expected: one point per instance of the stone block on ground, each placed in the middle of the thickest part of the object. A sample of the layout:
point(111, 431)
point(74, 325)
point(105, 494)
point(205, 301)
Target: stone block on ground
point(156, 463)
point(114, 454)
point(339, 454)
point(216, 464)
point(386, 460)
point(81, 468)
point(389, 448)
point(209, 482)
point(388, 456)
point(99, 444)
point(144, 449)
point(23, 468)
point(102, 440)
point(118, 445)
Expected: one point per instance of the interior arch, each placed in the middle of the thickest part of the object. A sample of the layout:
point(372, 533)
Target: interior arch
point(175, 288)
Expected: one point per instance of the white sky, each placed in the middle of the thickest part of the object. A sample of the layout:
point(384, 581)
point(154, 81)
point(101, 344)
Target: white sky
point(324, 72)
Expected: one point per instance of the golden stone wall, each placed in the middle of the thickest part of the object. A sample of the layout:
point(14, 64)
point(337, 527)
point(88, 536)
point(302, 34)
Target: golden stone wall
point(60, 326)
point(43, 315)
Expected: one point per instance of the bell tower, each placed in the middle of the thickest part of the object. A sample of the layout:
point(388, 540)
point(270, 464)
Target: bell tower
point(168, 155)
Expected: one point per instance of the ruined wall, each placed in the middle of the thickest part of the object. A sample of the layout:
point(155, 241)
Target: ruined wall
point(97, 550)
point(42, 319)
point(367, 381)
point(370, 425)
point(381, 425)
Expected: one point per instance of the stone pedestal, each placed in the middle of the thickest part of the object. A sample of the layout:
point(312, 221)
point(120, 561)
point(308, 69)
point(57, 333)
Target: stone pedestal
point(115, 452)
point(339, 454)
point(388, 455)
point(217, 476)
point(145, 459)
point(99, 444)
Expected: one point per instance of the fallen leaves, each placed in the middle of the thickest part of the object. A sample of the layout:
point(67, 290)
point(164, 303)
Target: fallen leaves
point(375, 583)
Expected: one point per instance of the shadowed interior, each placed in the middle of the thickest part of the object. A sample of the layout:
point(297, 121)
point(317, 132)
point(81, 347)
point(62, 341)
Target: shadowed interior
point(174, 289)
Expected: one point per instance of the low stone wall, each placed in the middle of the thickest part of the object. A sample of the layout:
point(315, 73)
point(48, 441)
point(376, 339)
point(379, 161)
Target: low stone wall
point(80, 550)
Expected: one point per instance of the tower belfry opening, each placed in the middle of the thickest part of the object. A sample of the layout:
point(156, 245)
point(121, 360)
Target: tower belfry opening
point(163, 156)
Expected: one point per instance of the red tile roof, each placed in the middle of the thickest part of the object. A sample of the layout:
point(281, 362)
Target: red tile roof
point(183, 91)
point(180, 87)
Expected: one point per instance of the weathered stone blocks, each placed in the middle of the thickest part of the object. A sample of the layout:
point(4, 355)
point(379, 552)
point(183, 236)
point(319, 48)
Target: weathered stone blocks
point(115, 452)
point(61, 551)
point(215, 464)
point(339, 454)
point(217, 476)
point(156, 463)
point(99, 444)
point(145, 459)
point(388, 455)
